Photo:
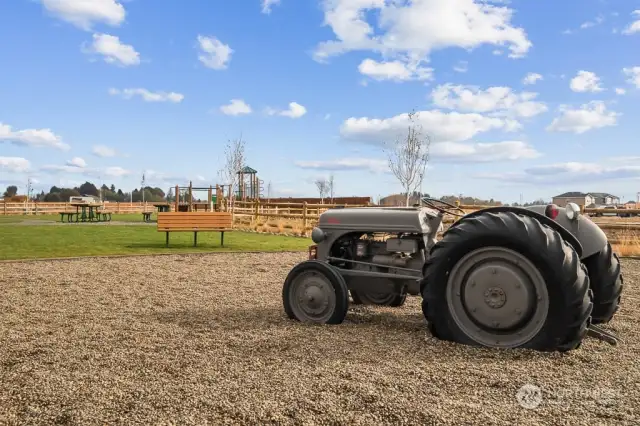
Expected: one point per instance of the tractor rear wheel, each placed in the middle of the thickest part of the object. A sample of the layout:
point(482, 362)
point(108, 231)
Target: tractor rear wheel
point(606, 282)
point(314, 292)
point(504, 280)
point(381, 299)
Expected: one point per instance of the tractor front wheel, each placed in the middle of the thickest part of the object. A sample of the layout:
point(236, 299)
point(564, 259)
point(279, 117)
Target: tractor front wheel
point(606, 282)
point(504, 280)
point(314, 292)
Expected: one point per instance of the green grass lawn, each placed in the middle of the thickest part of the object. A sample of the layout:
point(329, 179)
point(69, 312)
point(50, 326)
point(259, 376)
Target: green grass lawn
point(49, 241)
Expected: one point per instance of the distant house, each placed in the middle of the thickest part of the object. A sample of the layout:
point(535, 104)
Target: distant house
point(587, 199)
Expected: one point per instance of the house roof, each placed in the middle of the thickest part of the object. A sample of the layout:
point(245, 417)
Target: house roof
point(574, 194)
point(571, 195)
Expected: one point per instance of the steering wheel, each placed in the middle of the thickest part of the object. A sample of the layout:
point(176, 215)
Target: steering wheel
point(429, 202)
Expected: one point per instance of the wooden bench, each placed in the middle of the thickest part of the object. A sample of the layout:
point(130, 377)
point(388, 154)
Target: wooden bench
point(195, 222)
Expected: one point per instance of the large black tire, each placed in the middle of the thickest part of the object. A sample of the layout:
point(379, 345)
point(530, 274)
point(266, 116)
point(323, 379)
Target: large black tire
point(557, 266)
point(326, 283)
point(606, 281)
point(393, 300)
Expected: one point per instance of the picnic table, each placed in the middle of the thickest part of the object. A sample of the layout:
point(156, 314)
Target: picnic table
point(86, 212)
point(162, 207)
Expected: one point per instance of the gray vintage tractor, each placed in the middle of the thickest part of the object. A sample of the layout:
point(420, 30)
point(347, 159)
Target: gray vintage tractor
point(539, 277)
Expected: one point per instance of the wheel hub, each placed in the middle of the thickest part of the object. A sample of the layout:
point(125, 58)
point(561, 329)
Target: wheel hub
point(314, 299)
point(497, 297)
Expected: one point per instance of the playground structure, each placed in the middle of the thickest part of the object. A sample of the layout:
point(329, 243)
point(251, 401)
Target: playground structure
point(184, 200)
point(249, 186)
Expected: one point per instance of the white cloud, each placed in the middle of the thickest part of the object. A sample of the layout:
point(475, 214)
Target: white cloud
point(586, 81)
point(236, 107)
point(461, 67)
point(84, 14)
point(32, 137)
point(590, 24)
point(411, 31)
point(438, 125)
point(633, 27)
point(147, 95)
point(115, 171)
point(213, 53)
point(532, 78)
point(103, 151)
point(15, 164)
point(633, 75)
point(268, 4)
point(501, 100)
point(620, 91)
point(394, 70)
point(295, 111)
point(370, 164)
point(79, 166)
point(567, 173)
point(590, 116)
point(482, 152)
point(113, 51)
point(154, 177)
point(449, 152)
point(77, 162)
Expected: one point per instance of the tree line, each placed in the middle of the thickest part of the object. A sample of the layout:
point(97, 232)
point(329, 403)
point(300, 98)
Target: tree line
point(106, 193)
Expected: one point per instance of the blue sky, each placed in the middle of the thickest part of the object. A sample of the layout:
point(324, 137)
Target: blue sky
point(517, 97)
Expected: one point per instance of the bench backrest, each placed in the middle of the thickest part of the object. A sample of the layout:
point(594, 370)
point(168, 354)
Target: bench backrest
point(194, 221)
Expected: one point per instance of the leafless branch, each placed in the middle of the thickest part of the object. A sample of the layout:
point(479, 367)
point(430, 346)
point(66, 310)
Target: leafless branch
point(234, 161)
point(408, 157)
point(322, 186)
point(331, 187)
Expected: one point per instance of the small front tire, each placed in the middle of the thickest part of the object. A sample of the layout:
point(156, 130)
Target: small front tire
point(314, 292)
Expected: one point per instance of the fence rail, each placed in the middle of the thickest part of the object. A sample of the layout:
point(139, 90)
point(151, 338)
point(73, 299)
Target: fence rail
point(306, 212)
point(36, 208)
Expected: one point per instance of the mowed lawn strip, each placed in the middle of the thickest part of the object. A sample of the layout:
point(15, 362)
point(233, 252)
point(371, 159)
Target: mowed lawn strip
point(46, 241)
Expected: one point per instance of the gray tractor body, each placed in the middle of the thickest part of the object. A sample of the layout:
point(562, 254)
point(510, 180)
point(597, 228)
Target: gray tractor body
point(347, 238)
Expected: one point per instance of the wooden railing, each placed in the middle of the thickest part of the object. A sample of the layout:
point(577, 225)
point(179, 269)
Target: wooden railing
point(36, 208)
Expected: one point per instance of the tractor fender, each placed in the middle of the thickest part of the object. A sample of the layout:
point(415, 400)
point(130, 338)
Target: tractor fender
point(566, 234)
point(591, 236)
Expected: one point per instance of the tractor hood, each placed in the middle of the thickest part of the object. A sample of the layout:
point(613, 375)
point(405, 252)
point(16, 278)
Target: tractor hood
point(378, 219)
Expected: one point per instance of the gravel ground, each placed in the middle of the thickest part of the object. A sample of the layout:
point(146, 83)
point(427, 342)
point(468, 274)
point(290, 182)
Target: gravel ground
point(203, 339)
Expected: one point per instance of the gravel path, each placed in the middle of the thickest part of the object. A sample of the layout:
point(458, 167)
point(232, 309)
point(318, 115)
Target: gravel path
point(203, 339)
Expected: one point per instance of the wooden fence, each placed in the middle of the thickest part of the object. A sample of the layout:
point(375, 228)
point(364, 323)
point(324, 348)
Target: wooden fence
point(35, 208)
point(305, 212)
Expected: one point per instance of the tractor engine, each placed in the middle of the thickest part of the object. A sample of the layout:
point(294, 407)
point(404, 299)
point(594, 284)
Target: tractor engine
point(397, 251)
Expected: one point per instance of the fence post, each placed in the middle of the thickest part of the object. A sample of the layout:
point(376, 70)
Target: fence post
point(257, 206)
point(5, 207)
point(304, 217)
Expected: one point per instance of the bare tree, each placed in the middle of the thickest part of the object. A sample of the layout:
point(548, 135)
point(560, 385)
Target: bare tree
point(322, 185)
point(408, 157)
point(234, 161)
point(330, 187)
